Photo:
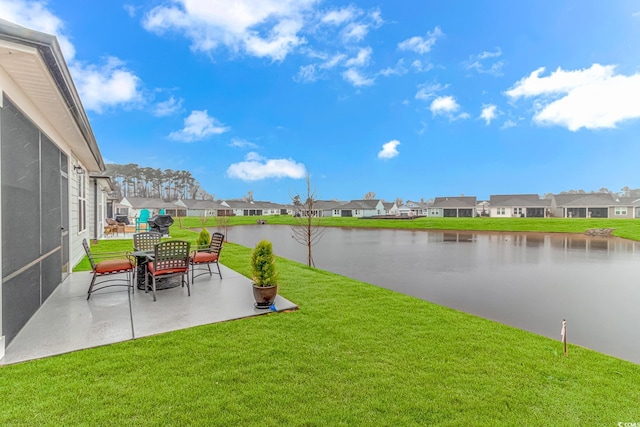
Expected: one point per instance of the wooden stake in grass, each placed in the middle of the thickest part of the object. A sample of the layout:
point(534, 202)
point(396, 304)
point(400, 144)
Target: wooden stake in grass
point(563, 334)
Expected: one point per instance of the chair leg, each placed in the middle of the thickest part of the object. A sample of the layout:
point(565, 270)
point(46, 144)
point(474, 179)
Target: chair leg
point(153, 280)
point(93, 282)
point(219, 272)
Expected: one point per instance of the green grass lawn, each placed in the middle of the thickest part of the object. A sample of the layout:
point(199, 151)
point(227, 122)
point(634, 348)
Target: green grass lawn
point(354, 354)
point(627, 228)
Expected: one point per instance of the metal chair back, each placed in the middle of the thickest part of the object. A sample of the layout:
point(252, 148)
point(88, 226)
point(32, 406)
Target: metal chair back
point(170, 256)
point(146, 241)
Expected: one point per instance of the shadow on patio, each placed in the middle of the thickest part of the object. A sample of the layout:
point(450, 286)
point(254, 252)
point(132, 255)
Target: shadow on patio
point(68, 322)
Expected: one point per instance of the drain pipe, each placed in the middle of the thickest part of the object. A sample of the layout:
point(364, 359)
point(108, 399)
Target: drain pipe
point(95, 210)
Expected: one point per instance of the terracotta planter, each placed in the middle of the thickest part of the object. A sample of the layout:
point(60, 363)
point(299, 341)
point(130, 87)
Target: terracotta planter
point(264, 295)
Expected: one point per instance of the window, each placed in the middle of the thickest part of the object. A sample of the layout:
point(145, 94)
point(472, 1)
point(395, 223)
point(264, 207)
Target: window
point(621, 210)
point(82, 203)
point(517, 211)
point(500, 211)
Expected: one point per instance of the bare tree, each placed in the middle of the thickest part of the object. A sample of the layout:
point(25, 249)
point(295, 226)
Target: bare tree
point(222, 221)
point(307, 230)
point(370, 196)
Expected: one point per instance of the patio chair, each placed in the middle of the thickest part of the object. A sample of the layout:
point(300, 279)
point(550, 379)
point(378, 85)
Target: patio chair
point(111, 227)
point(207, 256)
point(109, 264)
point(122, 228)
point(141, 221)
point(146, 241)
point(170, 258)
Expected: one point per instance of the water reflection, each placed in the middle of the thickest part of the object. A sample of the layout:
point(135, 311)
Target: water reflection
point(529, 280)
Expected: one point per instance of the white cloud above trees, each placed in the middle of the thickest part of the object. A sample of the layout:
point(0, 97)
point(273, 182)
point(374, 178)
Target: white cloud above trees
point(257, 168)
point(590, 98)
point(198, 126)
point(389, 150)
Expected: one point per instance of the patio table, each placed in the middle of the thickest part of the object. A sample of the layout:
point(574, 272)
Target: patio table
point(142, 258)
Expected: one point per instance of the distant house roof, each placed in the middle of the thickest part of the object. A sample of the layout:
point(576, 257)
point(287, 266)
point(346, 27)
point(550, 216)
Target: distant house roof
point(523, 200)
point(243, 204)
point(584, 200)
point(198, 204)
point(360, 204)
point(628, 201)
point(327, 204)
point(147, 203)
point(455, 202)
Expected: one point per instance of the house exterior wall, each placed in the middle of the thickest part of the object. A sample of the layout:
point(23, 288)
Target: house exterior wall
point(500, 212)
point(621, 212)
point(54, 256)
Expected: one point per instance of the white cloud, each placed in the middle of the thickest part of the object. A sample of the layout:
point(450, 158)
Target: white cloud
point(508, 124)
point(355, 32)
point(106, 86)
point(266, 28)
point(360, 60)
point(241, 143)
point(130, 9)
point(339, 16)
point(256, 168)
point(306, 74)
point(354, 77)
point(428, 91)
point(483, 64)
point(36, 16)
point(419, 44)
point(99, 87)
point(168, 107)
point(199, 125)
point(333, 61)
point(447, 106)
point(389, 150)
point(560, 81)
point(419, 67)
point(397, 70)
point(489, 112)
point(589, 98)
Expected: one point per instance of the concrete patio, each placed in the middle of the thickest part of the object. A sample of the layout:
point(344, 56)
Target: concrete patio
point(68, 322)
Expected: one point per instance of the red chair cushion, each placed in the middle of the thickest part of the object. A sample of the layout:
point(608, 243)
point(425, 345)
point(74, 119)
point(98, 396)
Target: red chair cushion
point(113, 265)
point(204, 257)
point(153, 271)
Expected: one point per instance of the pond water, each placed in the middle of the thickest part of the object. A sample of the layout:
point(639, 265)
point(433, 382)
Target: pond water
point(528, 280)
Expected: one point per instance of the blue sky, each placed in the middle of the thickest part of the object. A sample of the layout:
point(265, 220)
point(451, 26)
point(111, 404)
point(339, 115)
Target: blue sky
point(410, 99)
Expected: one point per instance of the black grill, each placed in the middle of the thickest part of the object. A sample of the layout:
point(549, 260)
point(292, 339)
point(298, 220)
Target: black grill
point(160, 223)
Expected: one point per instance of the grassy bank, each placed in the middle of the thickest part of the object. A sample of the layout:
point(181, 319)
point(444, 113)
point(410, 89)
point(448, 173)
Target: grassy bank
point(354, 354)
point(626, 228)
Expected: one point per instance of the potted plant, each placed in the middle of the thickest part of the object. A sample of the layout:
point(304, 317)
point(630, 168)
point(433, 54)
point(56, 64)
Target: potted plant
point(264, 274)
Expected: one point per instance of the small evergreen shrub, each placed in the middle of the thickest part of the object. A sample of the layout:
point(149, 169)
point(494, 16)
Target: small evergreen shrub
point(204, 238)
point(263, 265)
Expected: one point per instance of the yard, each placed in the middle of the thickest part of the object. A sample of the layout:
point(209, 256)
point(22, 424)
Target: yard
point(354, 354)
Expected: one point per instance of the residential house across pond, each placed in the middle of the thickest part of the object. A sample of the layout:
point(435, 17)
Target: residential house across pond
point(519, 206)
point(448, 207)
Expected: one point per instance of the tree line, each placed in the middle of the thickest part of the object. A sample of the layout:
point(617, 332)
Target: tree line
point(131, 180)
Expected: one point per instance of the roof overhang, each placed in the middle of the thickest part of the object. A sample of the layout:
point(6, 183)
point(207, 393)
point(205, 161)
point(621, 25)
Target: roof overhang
point(35, 63)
